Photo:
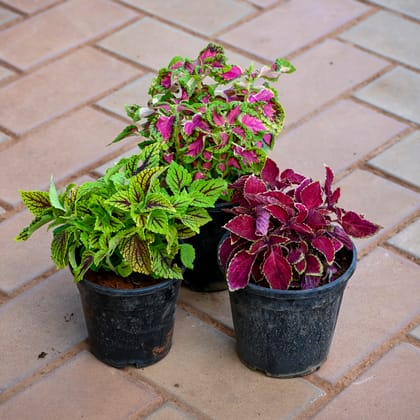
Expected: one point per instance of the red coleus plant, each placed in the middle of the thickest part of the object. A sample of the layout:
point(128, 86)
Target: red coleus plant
point(212, 117)
point(287, 231)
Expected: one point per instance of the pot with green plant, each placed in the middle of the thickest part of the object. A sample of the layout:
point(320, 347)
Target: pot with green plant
point(218, 121)
point(122, 236)
point(287, 258)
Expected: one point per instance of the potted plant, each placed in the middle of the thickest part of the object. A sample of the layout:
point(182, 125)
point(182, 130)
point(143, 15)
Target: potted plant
point(287, 257)
point(218, 121)
point(122, 235)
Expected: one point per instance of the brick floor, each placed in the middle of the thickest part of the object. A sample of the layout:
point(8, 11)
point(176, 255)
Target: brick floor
point(66, 70)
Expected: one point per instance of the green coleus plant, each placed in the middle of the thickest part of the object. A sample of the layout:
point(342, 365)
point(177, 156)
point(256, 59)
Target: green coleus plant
point(214, 118)
point(132, 220)
point(288, 231)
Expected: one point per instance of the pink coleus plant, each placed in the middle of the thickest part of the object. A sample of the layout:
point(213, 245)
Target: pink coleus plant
point(214, 118)
point(288, 231)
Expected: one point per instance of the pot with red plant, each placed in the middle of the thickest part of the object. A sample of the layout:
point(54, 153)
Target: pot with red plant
point(218, 121)
point(122, 236)
point(287, 258)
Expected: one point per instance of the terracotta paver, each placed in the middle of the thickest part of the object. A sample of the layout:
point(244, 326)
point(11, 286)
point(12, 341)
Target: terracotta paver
point(214, 15)
point(400, 44)
point(401, 160)
point(58, 29)
point(408, 240)
point(30, 6)
point(46, 319)
point(7, 16)
point(168, 42)
point(371, 312)
point(116, 398)
point(388, 390)
point(339, 137)
point(323, 73)
point(408, 7)
point(278, 24)
point(203, 370)
point(67, 67)
point(35, 150)
point(380, 200)
point(397, 92)
point(96, 73)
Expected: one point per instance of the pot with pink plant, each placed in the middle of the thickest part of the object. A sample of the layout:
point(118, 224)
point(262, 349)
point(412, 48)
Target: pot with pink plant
point(287, 258)
point(216, 120)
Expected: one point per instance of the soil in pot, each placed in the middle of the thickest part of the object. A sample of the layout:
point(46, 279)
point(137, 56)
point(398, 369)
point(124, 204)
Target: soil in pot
point(287, 333)
point(131, 326)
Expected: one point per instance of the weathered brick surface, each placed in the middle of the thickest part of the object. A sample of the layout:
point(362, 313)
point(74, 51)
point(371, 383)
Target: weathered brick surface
point(58, 29)
point(30, 6)
point(53, 90)
point(6, 16)
point(83, 137)
point(203, 370)
point(47, 318)
point(170, 412)
point(89, 389)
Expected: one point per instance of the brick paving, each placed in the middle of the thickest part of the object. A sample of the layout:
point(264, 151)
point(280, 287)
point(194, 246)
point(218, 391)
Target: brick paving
point(66, 70)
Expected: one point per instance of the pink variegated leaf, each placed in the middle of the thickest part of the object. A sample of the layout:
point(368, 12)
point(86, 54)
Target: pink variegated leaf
point(268, 139)
point(314, 265)
point(219, 120)
point(253, 123)
point(326, 247)
point(233, 114)
point(269, 110)
point(311, 195)
point(262, 222)
point(264, 95)
point(239, 131)
point(243, 226)
point(357, 226)
point(277, 270)
point(248, 156)
point(165, 125)
point(239, 270)
point(196, 147)
point(233, 162)
point(270, 172)
point(233, 73)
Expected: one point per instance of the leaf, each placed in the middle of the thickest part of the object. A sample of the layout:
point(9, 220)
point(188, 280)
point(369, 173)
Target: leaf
point(187, 254)
point(311, 195)
point(36, 223)
point(211, 188)
point(139, 184)
point(239, 270)
point(158, 201)
point(314, 266)
point(244, 226)
point(128, 131)
point(120, 200)
point(326, 247)
point(262, 222)
point(158, 222)
point(270, 172)
point(357, 226)
point(53, 195)
point(195, 218)
point(37, 202)
point(177, 177)
point(163, 266)
point(165, 126)
point(253, 123)
point(80, 271)
point(277, 270)
point(136, 252)
point(59, 248)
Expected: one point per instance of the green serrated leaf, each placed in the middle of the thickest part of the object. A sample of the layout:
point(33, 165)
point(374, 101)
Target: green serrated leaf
point(187, 254)
point(139, 184)
point(177, 177)
point(162, 267)
point(120, 200)
point(210, 188)
point(37, 202)
point(53, 196)
point(195, 218)
point(158, 201)
point(33, 226)
point(136, 252)
point(158, 222)
point(59, 248)
point(130, 130)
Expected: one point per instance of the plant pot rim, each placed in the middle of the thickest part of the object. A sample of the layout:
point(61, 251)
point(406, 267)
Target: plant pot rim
point(309, 293)
point(147, 290)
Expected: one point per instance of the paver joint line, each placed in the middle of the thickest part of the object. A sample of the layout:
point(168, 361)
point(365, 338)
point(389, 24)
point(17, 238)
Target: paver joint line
point(66, 70)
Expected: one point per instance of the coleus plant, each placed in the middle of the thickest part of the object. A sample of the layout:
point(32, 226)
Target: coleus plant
point(132, 219)
point(287, 232)
point(214, 118)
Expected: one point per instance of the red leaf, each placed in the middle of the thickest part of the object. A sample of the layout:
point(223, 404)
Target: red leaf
point(357, 226)
point(243, 226)
point(239, 270)
point(262, 222)
point(270, 172)
point(253, 185)
point(225, 251)
point(326, 247)
point(311, 195)
point(278, 213)
point(314, 265)
point(277, 270)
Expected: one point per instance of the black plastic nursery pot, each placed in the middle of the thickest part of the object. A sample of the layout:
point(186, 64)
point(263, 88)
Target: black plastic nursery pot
point(286, 333)
point(207, 275)
point(129, 326)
